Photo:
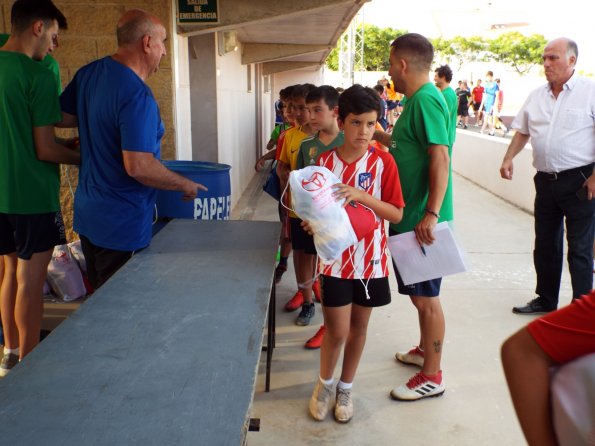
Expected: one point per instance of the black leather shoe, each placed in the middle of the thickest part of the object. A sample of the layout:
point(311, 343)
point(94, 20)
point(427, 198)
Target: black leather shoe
point(536, 306)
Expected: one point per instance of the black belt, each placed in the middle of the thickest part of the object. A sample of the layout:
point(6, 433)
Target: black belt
point(553, 176)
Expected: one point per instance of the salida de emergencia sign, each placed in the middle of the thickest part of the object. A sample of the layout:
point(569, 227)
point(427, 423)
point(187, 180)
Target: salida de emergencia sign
point(198, 11)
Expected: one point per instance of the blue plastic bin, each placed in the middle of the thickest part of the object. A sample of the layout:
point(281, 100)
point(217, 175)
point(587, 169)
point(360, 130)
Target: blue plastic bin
point(214, 204)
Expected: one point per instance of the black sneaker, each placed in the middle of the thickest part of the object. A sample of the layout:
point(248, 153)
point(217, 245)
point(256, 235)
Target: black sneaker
point(307, 313)
point(536, 306)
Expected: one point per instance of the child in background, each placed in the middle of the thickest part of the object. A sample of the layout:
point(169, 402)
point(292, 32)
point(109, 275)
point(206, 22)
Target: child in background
point(288, 122)
point(382, 118)
point(274, 147)
point(323, 105)
point(358, 281)
point(286, 163)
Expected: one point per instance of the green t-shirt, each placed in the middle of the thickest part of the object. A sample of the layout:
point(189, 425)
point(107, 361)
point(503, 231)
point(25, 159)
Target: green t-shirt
point(28, 98)
point(453, 104)
point(48, 61)
point(424, 121)
point(312, 147)
point(278, 129)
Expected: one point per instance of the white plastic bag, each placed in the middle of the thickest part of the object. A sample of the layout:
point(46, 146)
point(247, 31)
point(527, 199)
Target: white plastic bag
point(312, 199)
point(64, 275)
point(77, 252)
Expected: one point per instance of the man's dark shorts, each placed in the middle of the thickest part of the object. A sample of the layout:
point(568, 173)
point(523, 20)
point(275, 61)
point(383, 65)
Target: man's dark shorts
point(476, 105)
point(28, 234)
point(102, 263)
point(300, 239)
point(429, 288)
point(338, 292)
point(463, 110)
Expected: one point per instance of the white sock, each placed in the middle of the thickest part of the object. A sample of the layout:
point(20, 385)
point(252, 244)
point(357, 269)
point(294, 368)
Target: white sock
point(14, 351)
point(344, 386)
point(326, 382)
point(421, 349)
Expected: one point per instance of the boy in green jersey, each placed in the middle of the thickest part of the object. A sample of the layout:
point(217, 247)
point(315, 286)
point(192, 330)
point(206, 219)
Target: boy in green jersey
point(30, 219)
point(323, 105)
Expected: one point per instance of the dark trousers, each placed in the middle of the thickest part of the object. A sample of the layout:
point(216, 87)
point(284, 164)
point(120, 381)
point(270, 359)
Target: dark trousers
point(102, 263)
point(556, 201)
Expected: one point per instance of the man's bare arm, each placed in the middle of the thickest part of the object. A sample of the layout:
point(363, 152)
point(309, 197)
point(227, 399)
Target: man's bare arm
point(146, 169)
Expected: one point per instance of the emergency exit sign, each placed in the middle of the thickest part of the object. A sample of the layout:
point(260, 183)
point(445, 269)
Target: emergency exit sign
point(198, 11)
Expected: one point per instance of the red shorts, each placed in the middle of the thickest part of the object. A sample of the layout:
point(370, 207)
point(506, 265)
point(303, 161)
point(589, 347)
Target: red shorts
point(568, 333)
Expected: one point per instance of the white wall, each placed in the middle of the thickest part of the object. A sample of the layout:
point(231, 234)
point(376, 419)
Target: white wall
point(478, 158)
point(236, 118)
point(182, 99)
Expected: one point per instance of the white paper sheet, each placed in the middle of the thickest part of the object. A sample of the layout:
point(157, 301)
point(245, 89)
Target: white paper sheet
point(442, 258)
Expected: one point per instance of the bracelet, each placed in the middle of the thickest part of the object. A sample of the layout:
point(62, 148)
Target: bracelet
point(435, 214)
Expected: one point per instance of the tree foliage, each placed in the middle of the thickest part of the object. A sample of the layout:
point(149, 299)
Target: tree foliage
point(513, 49)
point(376, 48)
point(520, 52)
point(459, 50)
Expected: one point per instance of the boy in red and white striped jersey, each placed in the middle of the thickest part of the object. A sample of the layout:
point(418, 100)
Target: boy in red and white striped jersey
point(358, 280)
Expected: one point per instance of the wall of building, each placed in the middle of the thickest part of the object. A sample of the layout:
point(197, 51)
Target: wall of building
point(236, 116)
point(203, 97)
point(479, 157)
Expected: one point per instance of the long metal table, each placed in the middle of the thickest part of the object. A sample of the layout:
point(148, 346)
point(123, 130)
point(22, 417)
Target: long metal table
point(165, 353)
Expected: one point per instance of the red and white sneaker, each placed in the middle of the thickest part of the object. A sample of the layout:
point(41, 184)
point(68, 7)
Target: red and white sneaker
point(316, 341)
point(316, 291)
point(415, 356)
point(419, 386)
point(295, 302)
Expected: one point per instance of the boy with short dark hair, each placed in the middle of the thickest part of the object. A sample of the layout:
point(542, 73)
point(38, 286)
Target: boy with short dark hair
point(382, 118)
point(287, 162)
point(322, 103)
point(358, 280)
point(288, 122)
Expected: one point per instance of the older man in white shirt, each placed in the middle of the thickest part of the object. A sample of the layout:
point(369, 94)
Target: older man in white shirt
point(559, 118)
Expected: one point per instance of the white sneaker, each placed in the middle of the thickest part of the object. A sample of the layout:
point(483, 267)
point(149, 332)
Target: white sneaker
point(415, 356)
point(343, 405)
point(320, 400)
point(418, 387)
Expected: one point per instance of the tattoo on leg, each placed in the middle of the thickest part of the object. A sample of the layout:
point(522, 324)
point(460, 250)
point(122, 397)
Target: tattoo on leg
point(437, 346)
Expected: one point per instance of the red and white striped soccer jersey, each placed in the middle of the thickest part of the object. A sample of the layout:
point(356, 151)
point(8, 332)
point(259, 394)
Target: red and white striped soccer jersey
point(377, 174)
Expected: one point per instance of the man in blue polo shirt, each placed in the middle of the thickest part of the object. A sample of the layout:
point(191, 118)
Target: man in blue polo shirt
point(120, 131)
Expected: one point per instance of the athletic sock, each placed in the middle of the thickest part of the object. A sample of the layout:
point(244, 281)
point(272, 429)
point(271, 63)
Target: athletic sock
point(14, 351)
point(344, 386)
point(283, 261)
point(326, 382)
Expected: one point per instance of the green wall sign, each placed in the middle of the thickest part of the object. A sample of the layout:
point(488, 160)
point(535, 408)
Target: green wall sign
point(198, 11)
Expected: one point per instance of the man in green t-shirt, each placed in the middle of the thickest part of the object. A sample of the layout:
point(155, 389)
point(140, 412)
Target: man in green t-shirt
point(30, 219)
point(48, 61)
point(421, 147)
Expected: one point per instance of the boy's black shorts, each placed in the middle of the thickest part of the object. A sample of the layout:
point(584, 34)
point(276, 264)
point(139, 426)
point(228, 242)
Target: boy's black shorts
point(336, 292)
point(300, 239)
point(28, 234)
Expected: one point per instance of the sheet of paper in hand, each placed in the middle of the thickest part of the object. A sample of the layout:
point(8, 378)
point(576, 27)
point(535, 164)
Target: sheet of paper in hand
point(418, 264)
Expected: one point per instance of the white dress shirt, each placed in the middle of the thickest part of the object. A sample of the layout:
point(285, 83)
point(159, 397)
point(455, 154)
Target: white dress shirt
point(562, 130)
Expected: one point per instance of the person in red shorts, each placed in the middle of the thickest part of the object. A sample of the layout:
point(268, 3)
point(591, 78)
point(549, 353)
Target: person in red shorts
point(552, 340)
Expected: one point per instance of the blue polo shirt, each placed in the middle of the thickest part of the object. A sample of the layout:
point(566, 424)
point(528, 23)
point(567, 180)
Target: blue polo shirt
point(116, 111)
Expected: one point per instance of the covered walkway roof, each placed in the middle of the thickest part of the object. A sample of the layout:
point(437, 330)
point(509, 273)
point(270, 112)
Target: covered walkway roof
point(282, 35)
